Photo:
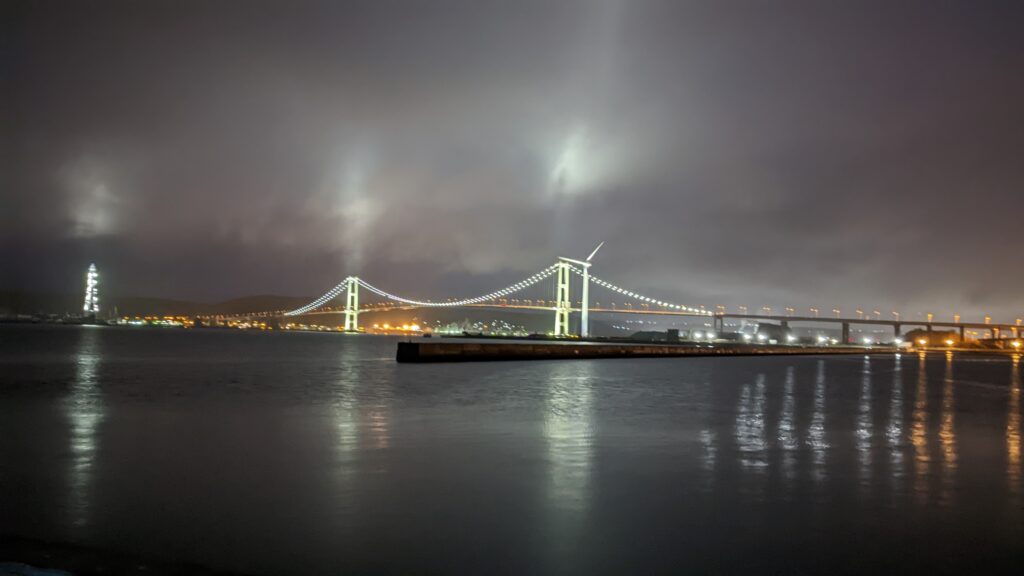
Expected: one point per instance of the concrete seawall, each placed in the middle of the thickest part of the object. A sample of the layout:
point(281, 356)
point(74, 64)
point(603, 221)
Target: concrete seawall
point(422, 352)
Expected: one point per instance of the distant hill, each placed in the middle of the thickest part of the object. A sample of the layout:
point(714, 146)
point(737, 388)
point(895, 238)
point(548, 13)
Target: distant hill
point(36, 303)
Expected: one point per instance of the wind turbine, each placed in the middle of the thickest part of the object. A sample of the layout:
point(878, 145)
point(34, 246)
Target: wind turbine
point(585, 308)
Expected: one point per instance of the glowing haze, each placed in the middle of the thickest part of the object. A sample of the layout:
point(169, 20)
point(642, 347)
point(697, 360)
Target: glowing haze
point(784, 154)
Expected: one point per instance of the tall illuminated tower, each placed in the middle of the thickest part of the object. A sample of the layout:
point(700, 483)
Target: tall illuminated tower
point(92, 295)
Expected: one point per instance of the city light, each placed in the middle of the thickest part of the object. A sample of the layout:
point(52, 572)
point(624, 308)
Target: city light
point(922, 341)
point(790, 338)
point(867, 340)
point(949, 342)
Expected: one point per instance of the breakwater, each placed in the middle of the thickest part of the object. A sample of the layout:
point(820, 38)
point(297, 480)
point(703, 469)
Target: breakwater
point(422, 352)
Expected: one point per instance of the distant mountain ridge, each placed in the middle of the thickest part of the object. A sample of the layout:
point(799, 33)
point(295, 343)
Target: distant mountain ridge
point(37, 303)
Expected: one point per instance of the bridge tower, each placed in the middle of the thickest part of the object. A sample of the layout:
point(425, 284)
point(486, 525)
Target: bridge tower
point(563, 302)
point(352, 304)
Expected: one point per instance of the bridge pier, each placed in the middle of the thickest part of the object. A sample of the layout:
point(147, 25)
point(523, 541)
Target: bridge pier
point(961, 334)
point(352, 305)
point(563, 303)
point(897, 330)
point(995, 333)
point(846, 332)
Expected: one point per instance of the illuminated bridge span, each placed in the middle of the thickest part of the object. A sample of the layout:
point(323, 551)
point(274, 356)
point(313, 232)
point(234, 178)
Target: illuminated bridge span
point(561, 271)
point(562, 305)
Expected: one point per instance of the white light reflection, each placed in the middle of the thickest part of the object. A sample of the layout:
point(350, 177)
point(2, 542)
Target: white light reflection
point(750, 426)
point(362, 420)
point(947, 433)
point(787, 425)
point(568, 431)
point(865, 424)
point(816, 436)
point(919, 431)
point(85, 411)
point(894, 431)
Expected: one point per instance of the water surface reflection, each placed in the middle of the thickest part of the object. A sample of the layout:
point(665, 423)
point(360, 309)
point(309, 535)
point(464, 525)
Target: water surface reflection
point(568, 432)
point(1013, 444)
point(85, 412)
point(947, 432)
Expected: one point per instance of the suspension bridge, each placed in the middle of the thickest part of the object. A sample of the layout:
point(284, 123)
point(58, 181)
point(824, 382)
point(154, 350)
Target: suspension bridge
point(560, 274)
point(561, 305)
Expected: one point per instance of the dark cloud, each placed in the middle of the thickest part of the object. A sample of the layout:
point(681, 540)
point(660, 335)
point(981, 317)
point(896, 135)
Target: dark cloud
point(785, 153)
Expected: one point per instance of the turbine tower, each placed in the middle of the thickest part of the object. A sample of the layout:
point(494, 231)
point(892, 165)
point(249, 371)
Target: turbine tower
point(585, 304)
point(92, 295)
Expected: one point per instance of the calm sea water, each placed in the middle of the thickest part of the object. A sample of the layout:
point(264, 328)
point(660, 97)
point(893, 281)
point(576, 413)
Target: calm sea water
point(280, 453)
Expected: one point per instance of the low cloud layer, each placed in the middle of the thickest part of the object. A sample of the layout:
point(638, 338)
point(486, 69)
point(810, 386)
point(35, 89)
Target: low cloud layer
point(783, 154)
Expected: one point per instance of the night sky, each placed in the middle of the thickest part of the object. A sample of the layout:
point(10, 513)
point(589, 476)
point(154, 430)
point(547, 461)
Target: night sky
point(761, 153)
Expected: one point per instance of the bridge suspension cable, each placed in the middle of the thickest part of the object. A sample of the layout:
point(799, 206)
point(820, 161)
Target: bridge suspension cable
point(476, 300)
point(327, 297)
point(640, 297)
